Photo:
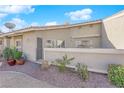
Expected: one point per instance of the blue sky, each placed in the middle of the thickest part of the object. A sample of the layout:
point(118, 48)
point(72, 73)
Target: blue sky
point(24, 16)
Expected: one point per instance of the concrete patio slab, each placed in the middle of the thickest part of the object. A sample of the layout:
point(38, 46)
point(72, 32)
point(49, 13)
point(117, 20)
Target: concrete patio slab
point(11, 79)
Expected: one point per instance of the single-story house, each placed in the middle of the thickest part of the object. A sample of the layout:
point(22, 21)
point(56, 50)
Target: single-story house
point(105, 33)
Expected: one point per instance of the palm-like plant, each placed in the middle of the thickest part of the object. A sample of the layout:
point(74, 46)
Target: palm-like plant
point(16, 54)
point(63, 62)
point(82, 71)
point(7, 53)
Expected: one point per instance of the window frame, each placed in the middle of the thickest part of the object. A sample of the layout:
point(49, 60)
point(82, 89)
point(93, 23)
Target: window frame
point(55, 43)
point(87, 45)
point(19, 47)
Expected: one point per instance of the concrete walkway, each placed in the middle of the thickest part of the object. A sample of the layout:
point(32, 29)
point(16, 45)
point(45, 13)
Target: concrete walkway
point(11, 79)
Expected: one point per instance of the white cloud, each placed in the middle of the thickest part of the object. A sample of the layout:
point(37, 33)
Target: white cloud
point(34, 24)
point(4, 29)
point(83, 14)
point(15, 9)
point(2, 15)
point(18, 22)
point(51, 23)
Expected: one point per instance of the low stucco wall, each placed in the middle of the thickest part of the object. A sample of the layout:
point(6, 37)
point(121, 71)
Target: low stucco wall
point(97, 60)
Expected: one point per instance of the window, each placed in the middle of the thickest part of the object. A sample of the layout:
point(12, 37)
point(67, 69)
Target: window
point(18, 44)
point(84, 44)
point(55, 44)
point(60, 44)
point(50, 43)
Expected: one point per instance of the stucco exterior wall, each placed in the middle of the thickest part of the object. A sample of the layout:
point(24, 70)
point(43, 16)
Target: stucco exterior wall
point(87, 30)
point(29, 45)
point(70, 35)
point(13, 40)
point(30, 38)
point(61, 34)
point(97, 60)
point(113, 32)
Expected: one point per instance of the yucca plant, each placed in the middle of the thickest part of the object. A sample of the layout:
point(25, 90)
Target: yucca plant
point(61, 63)
point(82, 71)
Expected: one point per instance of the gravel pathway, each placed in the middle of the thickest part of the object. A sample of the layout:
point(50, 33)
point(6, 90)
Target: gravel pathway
point(54, 77)
point(11, 79)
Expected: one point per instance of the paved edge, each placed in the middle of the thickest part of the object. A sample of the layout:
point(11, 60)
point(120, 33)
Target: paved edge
point(17, 72)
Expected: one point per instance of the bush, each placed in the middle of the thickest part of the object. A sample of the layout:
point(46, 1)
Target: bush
point(82, 71)
point(61, 63)
point(11, 53)
point(116, 75)
point(7, 53)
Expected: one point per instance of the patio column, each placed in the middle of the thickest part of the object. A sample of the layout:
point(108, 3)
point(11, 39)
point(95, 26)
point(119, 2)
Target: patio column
point(6, 42)
point(12, 43)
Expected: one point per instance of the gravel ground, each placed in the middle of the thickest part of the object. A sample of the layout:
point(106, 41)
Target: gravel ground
point(68, 79)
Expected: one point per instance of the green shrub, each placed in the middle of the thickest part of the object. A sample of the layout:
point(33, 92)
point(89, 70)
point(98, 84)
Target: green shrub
point(82, 71)
point(16, 54)
point(13, 53)
point(116, 75)
point(7, 53)
point(61, 63)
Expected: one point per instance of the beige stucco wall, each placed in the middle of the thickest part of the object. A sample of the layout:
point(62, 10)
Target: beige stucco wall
point(97, 60)
point(13, 40)
point(86, 30)
point(30, 38)
point(60, 34)
point(113, 32)
point(29, 45)
point(96, 41)
point(70, 35)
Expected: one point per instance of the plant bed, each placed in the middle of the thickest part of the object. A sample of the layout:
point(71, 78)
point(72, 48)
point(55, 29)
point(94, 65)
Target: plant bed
point(66, 79)
point(67, 68)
